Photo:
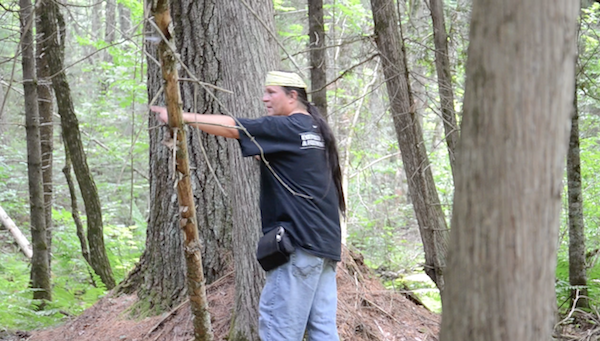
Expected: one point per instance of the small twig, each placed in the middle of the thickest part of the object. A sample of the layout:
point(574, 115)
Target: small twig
point(12, 75)
point(208, 164)
point(174, 156)
point(87, 57)
point(161, 322)
point(346, 72)
point(273, 36)
point(374, 305)
point(221, 279)
point(194, 80)
point(103, 146)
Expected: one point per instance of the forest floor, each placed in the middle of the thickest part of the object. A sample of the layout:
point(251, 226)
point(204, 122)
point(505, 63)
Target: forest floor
point(366, 311)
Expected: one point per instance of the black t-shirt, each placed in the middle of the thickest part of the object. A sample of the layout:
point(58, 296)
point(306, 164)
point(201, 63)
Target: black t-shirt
point(295, 151)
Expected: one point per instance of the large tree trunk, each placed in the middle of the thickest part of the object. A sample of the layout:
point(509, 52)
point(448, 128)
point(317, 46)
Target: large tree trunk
point(444, 79)
point(40, 274)
point(577, 264)
point(424, 196)
point(518, 98)
point(187, 207)
point(160, 276)
point(197, 43)
point(44, 89)
point(318, 66)
point(249, 54)
point(51, 22)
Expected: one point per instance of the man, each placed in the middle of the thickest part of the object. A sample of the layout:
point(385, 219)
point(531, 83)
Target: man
point(301, 191)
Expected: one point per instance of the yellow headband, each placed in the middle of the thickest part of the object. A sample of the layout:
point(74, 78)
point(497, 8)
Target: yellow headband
point(282, 78)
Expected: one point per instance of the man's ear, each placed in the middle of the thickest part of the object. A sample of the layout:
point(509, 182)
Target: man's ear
point(293, 94)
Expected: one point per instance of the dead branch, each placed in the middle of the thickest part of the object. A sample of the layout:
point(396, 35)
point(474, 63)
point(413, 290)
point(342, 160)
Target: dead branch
point(19, 236)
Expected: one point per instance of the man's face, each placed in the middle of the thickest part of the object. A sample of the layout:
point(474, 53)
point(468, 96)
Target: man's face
point(278, 103)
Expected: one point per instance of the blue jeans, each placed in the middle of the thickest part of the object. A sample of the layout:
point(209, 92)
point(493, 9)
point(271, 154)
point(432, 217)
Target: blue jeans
point(299, 295)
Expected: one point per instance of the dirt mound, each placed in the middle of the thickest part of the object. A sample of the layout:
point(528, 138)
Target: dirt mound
point(366, 311)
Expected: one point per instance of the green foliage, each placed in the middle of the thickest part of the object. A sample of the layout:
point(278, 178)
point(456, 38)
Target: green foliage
point(110, 101)
point(421, 286)
point(74, 285)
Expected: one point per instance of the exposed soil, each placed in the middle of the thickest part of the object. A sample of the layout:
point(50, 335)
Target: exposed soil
point(366, 311)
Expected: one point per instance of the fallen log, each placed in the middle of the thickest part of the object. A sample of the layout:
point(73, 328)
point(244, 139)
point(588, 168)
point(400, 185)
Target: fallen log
point(19, 236)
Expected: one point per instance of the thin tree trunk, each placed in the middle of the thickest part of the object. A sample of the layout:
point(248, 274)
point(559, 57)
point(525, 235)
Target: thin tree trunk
point(124, 19)
point(17, 234)
point(85, 252)
point(424, 196)
point(500, 282)
point(249, 54)
point(44, 89)
point(318, 67)
point(577, 263)
point(187, 208)
point(40, 274)
point(51, 22)
point(95, 7)
point(444, 78)
point(348, 147)
point(110, 26)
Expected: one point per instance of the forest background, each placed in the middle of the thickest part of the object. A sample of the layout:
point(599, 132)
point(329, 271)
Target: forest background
point(106, 69)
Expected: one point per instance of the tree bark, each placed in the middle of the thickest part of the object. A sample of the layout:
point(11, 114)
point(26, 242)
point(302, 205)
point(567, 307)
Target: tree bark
point(249, 54)
point(45, 109)
point(160, 275)
point(124, 19)
point(196, 29)
point(444, 79)
point(505, 223)
point(95, 7)
point(40, 274)
point(187, 208)
point(424, 196)
point(318, 65)
point(577, 262)
point(85, 252)
point(110, 26)
point(51, 23)
point(17, 234)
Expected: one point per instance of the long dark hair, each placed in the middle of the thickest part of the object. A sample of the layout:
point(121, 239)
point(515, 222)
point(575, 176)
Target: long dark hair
point(331, 151)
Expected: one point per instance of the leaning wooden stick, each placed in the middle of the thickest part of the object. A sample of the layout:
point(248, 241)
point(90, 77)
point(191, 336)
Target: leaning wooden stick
point(187, 208)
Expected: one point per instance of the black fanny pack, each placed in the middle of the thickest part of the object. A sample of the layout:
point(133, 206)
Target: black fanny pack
point(274, 249)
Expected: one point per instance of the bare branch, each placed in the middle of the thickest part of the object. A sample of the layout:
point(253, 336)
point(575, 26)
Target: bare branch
point(346, 72)
point(274, 36)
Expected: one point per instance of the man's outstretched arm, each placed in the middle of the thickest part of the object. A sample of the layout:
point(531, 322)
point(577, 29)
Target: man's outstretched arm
point(220, 125)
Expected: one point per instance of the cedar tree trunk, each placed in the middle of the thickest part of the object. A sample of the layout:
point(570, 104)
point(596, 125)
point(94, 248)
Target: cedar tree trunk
point(40, 273)
point(500, 283)
point(52, 27)
point(318, 65)
point(45, 110)
point(251, 52)
point(424, 196)
point(577, 264)
point(444, 78)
